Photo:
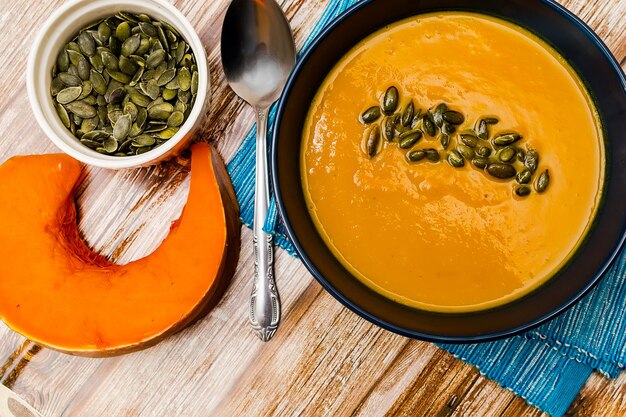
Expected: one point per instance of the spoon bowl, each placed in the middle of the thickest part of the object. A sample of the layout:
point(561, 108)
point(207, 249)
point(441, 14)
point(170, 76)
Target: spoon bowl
point(258, 51)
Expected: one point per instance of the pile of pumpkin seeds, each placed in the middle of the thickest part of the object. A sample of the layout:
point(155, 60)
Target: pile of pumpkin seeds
point(499, 155)
point(125, 84)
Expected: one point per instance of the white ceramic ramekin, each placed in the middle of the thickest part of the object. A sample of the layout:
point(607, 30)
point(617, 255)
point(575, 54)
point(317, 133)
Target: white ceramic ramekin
point(59, 29)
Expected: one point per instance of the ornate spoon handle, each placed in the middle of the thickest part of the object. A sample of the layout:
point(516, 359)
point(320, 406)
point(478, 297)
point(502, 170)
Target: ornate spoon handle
point(264, 302)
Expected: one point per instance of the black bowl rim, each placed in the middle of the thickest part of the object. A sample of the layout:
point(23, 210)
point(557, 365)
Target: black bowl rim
point(593, 280)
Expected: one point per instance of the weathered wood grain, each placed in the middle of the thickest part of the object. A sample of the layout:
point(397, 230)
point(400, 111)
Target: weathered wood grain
point(323, 361)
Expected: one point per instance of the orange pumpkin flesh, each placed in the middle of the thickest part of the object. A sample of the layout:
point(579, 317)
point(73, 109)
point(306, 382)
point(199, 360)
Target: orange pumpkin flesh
point(54, 290)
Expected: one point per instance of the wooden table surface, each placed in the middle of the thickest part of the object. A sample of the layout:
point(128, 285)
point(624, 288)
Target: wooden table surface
point(324, 359)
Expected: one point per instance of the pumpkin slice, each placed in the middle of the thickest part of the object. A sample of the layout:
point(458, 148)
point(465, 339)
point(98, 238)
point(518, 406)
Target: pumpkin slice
point(57, 292)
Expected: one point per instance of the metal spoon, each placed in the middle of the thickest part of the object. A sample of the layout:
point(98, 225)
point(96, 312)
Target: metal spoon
point(258, 53)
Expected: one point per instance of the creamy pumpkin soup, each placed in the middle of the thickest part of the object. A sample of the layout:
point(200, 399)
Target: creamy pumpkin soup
point(452, 161)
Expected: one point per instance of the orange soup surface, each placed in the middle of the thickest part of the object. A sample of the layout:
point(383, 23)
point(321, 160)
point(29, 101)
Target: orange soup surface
point(429, 235)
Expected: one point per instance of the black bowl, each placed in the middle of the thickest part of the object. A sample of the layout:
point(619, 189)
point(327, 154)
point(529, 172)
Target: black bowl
point(604, 79)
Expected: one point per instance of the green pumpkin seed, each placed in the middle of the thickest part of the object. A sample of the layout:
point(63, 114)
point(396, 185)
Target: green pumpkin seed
point(136, 77)
point(139, 99)
point(122, 127)
point(86, 43)
point(109, 61)
point(148, 29)
point(410, 138)
point(523, 177)
point(438, 114)
point(63, 61)
point(491, 120)
point(155, 102)
point(73, 70)
point(171, 131)
point(151, 89)
point(166, 77)
point(81, 109)
point(432, 154)
point(542, 182)
point(56, 86)
point(87, 89)
point(184, 79)
point(484, 151)
point(176, 119)
point(117, 95)
point(125, 145)
point(480, 162)
point(180, 51)
point(520, 154)
point(453, 117)
point(429, 126)
point(469, 140)
point(173, 85)
point(407, 114)
point(123, 31)
point(522, 190)
point(109, 145)
point(143, 140)
point(194, 83)
point(160, 111)
point(104, 32)
point(70, 80)
point(184, 96)
point(96, 62)
point(390, 100)
point(507, 154)
point(131, 45)
point(415, 156)
point(114, 115)
point(155, 128)
point(83, 69)
point(119, 76)
point(455, 159)
point(506, 139)
point(169, 94)
point(89, 124)
point(135, 130)
point(127, 66)
point(444, 140)
point(139, 151)
point(373, 140)
point(131, 108)
point(65, 118)
point(74, 56)
point(68, 94)
point(368, 116)
point(531, 160)
point(389, 127)
point(162, 37)
point(448, 128)
point(90, 143)
point(96, 135)
point(155, 58)
point(482, 130)
point(502, 171)
point(465, 151)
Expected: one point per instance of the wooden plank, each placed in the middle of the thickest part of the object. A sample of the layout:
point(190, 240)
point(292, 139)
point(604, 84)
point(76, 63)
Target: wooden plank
point(324, 361)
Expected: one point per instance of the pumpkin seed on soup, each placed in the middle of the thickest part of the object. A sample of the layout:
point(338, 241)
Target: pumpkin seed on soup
point(390, 100)
point(408, 139)
point(542, 182)
point(125, 77)
point(373, 139)
point(368, 116)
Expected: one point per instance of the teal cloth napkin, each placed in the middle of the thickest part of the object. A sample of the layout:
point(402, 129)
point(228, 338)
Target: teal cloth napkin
point(546, 366)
